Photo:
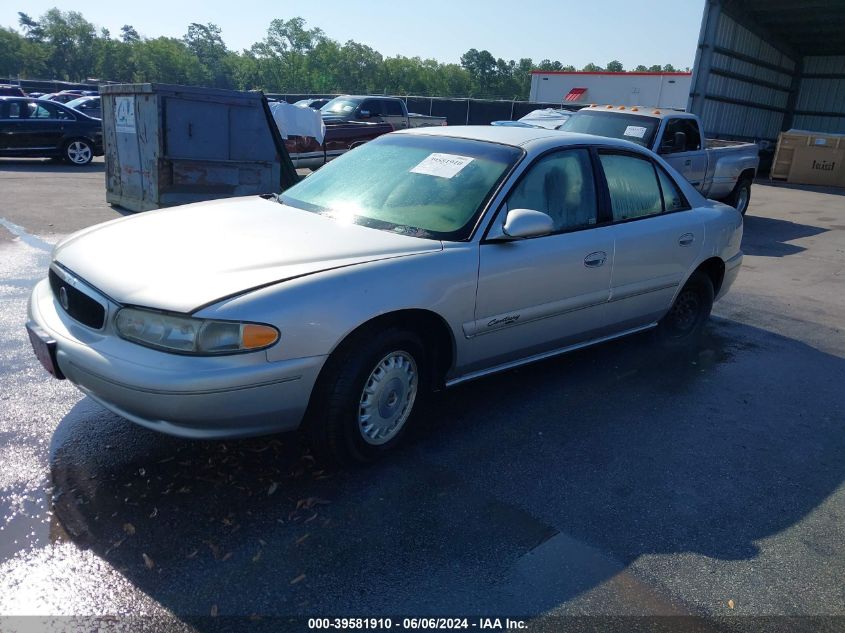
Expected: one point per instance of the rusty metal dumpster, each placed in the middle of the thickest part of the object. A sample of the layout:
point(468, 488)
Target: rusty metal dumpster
point(167, 145)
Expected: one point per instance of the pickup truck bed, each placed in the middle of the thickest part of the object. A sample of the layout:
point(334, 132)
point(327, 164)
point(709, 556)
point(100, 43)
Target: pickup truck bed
point(719, 169)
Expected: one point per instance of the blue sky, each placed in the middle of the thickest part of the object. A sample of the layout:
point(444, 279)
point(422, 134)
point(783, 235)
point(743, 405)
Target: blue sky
point(632, 31)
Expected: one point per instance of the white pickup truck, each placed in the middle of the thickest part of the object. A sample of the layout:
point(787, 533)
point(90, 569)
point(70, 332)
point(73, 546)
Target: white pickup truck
point(719, 169)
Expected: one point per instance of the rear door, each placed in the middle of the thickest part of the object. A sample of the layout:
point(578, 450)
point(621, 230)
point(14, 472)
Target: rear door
point(657, 238)
point(393, 113)
point(691, 160)
point(544, 293)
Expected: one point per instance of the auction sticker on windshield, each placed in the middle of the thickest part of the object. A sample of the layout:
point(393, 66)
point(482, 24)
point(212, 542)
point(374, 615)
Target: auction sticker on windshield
point(635, 130)
point(442, 165)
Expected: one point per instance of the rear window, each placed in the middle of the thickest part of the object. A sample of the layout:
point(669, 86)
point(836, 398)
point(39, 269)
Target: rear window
point(628, 127)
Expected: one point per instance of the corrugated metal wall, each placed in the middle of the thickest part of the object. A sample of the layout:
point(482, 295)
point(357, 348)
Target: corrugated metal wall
point(745, 86)
point(741, 83)
point(820, 106)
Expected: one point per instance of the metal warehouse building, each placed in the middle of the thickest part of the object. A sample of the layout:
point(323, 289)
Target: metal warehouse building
point(766, 66)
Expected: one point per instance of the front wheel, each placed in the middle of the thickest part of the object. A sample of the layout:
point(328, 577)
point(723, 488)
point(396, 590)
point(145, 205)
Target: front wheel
point(740, 197)
point(683, 324)
point(79, 152)
point(366, 396)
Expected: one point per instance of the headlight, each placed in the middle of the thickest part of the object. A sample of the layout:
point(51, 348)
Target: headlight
point(188, 335)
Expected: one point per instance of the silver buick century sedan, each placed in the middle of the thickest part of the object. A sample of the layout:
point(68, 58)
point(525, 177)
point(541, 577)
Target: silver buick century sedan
point(418, 261)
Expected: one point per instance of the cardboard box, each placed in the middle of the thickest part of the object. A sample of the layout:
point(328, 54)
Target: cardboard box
point(790, 141)
point(817, 165)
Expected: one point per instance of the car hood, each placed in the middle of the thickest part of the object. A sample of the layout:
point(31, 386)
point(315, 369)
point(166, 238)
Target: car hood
point(186, 257)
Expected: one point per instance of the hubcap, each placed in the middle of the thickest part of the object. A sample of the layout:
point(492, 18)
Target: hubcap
point(387, 398)
point(79, 152)
point(684, 312)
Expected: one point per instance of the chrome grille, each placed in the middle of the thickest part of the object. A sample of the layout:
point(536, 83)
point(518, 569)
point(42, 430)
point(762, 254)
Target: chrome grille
point(76, 303)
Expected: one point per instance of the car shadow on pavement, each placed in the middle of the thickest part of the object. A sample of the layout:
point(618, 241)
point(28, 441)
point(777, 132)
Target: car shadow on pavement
point(518, 493)
point(770, 237)
point(48, 165)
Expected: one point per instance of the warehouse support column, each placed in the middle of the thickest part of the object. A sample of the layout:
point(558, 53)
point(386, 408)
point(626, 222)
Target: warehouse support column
point(792, 100)
point(704, 56)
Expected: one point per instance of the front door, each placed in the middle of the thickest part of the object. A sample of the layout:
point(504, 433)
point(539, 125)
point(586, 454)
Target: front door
point(44, 127)
point(691, 160)
point(540, 294)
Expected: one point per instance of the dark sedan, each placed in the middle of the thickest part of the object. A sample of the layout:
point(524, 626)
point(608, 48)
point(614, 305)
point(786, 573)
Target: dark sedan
point(38, 128)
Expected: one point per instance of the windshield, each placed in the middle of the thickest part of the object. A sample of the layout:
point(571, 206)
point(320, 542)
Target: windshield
point(428, 186)
point(340, 105)
point(628, 127)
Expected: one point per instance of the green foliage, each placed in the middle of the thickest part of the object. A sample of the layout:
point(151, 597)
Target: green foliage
point(291, 58)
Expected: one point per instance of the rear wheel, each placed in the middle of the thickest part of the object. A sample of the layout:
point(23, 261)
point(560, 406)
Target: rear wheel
point(78, 152)
point(685, 320)
point(367, 395)
point(741, 196)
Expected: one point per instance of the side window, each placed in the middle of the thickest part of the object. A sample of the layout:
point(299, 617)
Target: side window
point(562, 186)
point(372, 106)
point(16, 110)
point(43, 111)
point(693, 135)
point(690, 130)
point(392, 108)
point(673, 200)
point(632, 182)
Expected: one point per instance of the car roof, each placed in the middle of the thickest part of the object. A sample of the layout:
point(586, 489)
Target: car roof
point(524, 137)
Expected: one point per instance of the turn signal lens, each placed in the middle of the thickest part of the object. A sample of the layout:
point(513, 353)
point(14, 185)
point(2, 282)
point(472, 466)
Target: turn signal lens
point(255, 336)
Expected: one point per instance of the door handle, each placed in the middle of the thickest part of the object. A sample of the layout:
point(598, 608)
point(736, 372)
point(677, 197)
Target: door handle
point(688, 162)
point(686, 239)
point(596, 259)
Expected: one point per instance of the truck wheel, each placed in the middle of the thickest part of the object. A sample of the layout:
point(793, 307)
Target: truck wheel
point(741, 195)
point(78, 152)
point(683, 324)
point(366, 396)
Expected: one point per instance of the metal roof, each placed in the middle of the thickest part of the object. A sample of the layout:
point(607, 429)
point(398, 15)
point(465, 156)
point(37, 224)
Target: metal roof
point(808, 27)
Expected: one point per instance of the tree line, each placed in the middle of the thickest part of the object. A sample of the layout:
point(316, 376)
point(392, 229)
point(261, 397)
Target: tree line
point(291, 58)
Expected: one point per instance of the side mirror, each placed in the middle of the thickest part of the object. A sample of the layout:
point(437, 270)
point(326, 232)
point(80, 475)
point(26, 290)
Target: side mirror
point(363, 114)
point(524, 223)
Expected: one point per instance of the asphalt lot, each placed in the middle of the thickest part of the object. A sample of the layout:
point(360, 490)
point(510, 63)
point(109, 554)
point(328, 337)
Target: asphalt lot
point(616, 481)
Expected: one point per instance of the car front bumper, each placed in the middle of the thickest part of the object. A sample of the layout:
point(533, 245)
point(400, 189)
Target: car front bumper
point(188, 396)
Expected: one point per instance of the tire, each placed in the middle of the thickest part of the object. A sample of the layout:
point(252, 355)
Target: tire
point(740, 197)
point(683, 324)
point(367, 395)
point(78, 151)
